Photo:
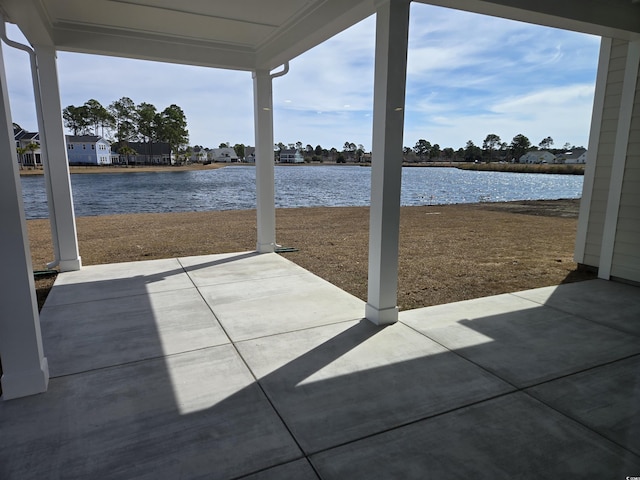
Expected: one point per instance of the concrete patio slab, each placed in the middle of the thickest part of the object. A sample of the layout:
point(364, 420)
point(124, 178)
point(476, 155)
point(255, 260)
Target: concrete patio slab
point(192, 415)
point(298, 470)
point(509, 437)
point(304, 304)
point(247, 290)
point(111, 332)
point(525, 344)
point(98, 282)
point(336, 383)
point(237, 267)
point(146, 384)
point(609, 303)
point(606, 399)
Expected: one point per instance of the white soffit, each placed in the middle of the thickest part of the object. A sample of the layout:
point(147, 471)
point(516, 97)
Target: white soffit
point(238, 34)
point(263, 34)
point(607, 18)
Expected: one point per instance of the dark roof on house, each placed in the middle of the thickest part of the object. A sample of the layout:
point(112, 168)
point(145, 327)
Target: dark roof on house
point(20, 134)
point(224, 152)
point(143, 148)
point(575, 153)
point(82, 138)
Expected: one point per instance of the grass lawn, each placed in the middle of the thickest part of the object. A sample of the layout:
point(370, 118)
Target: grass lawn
point(447, 253)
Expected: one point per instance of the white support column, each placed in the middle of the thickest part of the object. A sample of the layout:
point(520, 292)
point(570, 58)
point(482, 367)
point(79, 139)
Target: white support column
point(594, 144)
point(392, 32)
point(25, 368)
point(265, 173)
point(619, 159)
point(60, 197)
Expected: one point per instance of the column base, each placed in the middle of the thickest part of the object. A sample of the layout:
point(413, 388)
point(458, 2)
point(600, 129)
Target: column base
point(70, 265)
point(23, 384)
point(385, 316)
point(266, 247)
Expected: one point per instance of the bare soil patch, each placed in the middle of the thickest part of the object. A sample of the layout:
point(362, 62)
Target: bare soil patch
point(447, 253)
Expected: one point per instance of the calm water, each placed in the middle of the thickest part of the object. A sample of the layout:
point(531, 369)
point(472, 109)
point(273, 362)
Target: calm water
point(233, 188)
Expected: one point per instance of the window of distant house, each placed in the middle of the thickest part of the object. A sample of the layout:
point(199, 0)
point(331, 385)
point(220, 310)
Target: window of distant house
point(93, 147)
point(84, 146)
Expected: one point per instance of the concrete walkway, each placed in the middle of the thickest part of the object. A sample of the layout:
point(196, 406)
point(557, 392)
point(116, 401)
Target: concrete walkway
point(247, 366)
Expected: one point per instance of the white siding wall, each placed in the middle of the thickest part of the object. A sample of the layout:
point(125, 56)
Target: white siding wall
point(626, 253)
point(604, 158)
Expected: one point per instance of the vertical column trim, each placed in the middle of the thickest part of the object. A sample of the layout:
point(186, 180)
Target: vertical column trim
point(265, 171)
point(392, 32)
point(25, 368)
point(619, 159)
point(58, 165)
point(594, 143)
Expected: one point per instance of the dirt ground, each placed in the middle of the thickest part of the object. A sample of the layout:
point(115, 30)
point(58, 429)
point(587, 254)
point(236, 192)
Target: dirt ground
point(447, 253)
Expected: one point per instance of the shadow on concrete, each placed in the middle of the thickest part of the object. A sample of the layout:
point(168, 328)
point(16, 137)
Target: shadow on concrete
point(346, 400)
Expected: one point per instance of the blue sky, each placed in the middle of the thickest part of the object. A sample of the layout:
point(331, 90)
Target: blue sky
point(468, 76)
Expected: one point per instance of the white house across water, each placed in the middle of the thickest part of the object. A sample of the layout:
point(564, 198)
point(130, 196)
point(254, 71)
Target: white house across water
point(89, 150)
point(262, 36)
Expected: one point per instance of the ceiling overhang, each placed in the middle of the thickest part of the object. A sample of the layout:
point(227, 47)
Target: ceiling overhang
point(263, 34)
point(607, 18)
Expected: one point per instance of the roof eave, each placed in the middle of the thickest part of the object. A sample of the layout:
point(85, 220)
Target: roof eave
point(318, 25)
point(592, 17)
point(160, 48)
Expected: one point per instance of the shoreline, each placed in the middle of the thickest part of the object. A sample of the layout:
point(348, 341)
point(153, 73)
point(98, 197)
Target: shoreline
point(128, 169)
point(557, 169)
point(549, 207)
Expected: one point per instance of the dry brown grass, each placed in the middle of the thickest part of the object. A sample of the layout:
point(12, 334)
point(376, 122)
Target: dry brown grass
point(447, 253)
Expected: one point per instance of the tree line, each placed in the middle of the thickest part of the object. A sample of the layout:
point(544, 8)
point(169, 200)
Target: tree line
point(492, 149)
point(123, 121)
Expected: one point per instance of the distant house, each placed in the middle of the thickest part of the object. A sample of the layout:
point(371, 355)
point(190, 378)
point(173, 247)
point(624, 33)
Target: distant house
point(538, 156)
point(577, 155)
point(250, 154)
point(88, 150)
point(198, 155)
point(158, 153)
point(24, 139)
point(225, 155)
point(291, 156)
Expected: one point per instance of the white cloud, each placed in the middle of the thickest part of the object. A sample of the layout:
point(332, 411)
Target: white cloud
point(564, 113)
point(564, 98)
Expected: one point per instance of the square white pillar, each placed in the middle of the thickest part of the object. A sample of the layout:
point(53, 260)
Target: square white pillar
point(59, 183)
point(265, 173)
point(392, 33)
point(620, 153)
point(25, 369)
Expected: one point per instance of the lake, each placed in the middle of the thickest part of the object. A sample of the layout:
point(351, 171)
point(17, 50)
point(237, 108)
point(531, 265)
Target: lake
point(233, 188)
